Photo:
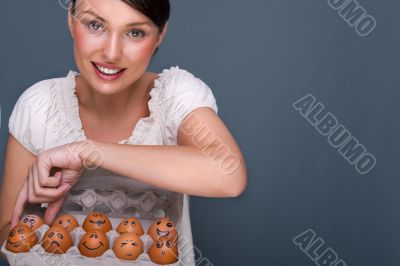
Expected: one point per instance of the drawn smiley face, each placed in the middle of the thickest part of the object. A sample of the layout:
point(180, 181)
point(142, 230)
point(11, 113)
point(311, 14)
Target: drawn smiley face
point(163, 251)
point(21, 239)
point(32, 220)
point(163, 227)
point(128, 246)
point(67, 221)
point(131, 225)
point(93, 244)
point(57, 240)
point(97, 221)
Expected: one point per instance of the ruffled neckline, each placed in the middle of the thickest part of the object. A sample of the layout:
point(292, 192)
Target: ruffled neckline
point(142, 126)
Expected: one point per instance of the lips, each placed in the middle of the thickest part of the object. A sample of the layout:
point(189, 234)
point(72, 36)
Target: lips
point(162, 233)
point(107, 72)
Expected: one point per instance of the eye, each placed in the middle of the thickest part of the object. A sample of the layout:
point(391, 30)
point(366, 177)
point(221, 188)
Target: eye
point(94, 26)
point(136, 33)
point(12, 233)
point(60, 236)
point(26, 220)
point(32, 221)
point(135, 244)
point(126, 222)
point(60, 222)
point(169, 244)
point(95, 215)
point(51, 234)
point(69, 221)
point(91, 236)
point(123, 244)
point(133, 223)
point(21, 231)
point(159, 244)
point(96, 236)
point(169, 224)
point(159, 222)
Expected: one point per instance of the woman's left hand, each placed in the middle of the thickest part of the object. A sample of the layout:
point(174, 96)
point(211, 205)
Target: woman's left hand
point(43, 187)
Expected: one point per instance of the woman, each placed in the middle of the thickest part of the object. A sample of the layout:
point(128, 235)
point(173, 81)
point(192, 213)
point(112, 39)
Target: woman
point(144, 127)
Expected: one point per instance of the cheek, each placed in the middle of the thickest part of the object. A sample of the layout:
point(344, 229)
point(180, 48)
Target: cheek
point(84, 43)
point(139, 52)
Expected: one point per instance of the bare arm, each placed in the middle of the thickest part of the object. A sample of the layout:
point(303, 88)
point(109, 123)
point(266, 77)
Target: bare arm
point(17, 162)
point(216, 169)
point(211, 167)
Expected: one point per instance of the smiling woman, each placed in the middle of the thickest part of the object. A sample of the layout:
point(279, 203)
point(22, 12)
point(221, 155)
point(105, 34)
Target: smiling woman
point(137, 122)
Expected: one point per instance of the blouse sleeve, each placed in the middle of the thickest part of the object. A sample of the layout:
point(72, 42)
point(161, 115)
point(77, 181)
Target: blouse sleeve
point(184, 94)
point(26, 124)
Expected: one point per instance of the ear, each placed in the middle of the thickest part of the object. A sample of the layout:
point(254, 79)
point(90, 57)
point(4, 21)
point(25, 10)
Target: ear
point(70, 22)
point(162, 34)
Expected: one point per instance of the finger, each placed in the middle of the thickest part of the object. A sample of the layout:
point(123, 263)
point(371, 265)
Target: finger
point(53, 180)
point(19, 205)
point(53, 209)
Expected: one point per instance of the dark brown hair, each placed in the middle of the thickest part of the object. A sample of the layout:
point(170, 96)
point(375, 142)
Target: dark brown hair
point(156, 10)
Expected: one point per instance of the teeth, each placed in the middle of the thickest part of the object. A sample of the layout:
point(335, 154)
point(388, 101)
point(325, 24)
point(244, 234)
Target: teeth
point(107, 70)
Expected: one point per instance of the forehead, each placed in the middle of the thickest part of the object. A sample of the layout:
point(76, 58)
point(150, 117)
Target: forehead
point(107, 9)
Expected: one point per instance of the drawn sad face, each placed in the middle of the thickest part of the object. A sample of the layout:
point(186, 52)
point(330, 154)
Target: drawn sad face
point(163, 251)
point(32, 220)
point(163, 227)
point(93, 244)
point(97, 221)
point(128, 246)
point(57, 240)
point(67, 221)
point(131, 225)
point(21, 239)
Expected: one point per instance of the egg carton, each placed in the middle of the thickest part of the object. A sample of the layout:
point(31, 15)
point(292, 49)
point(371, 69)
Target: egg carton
point(147, 206)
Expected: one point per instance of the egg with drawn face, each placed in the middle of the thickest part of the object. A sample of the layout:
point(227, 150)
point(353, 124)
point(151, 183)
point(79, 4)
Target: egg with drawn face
point(21, 239)
point(163, 227)
point(97, 221)
point(163, 251)
point(131, 225)
point(93, 244)
point(57, 240)
point(67, 221)
point(128, 246)
point(32, 220)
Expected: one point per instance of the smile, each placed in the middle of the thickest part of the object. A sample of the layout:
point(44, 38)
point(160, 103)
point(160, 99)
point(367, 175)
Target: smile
point(107, 73)
point(15, 244)
point(162, 233)
point(98, 223)
point(84, 244)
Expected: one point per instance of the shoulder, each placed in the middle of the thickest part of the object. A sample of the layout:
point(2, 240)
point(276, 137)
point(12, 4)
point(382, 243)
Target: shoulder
point(183, 92)
point(44, 90)
point(180, 85)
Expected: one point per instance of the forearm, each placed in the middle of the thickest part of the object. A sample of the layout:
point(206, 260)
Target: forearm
point(183, 169)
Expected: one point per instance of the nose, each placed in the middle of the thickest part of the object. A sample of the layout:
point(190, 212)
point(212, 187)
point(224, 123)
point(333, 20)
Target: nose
point(112, 49)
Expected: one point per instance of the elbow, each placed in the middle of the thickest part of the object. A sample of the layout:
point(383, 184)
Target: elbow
point(235, 185)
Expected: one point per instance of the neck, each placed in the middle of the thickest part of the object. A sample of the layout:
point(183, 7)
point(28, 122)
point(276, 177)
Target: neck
point(113, 106)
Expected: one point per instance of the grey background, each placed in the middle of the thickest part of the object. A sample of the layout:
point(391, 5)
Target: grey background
point(260, 56)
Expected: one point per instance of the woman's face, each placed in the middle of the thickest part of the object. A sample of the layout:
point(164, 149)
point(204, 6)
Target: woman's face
point(113, 43)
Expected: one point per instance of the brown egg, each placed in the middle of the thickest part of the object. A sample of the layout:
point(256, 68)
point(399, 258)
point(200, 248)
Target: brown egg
point(131, 225)
point(67, 221)
point(97, 221)
point(93, 244)
point(163, 251)
point(162, 227)
point(21, 239)
point(57, 240)
point(32, 220)
point(128, 246)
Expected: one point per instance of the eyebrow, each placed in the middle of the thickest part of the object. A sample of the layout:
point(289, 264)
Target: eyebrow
point(128, 25)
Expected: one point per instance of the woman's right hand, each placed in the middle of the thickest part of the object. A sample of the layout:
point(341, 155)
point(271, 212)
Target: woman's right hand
point(42, 187)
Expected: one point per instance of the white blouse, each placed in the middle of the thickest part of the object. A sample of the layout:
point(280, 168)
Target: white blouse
point(47, 115)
